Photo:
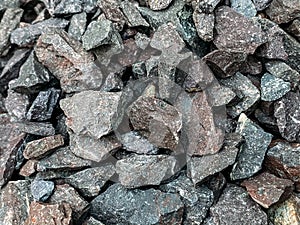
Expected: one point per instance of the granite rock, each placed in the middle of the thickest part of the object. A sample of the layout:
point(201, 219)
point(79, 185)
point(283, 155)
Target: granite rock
point(35, 128)
point(261, 4)
point(77, 25)
point(41, 190)
point(294, 28)
point(244, 7)
point(133, 16)
point(65, 7)
point(204, 24)
point(157, 5)
point(207, 6)
point(17, 105)
point(28, 168)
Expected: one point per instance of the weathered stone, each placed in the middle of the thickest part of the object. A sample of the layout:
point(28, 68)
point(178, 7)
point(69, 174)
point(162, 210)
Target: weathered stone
point(283, 11)
point(66, 194)
point(10, 20)
point(294, 29)
point(207, 6)
point(62, 159)
point(142, 170)
point(157, 5)
point(273, 88)
point(261, 4)
point(267, 189)
point(142, 40)
point(283, 160)
point(196, 200)
point(113, 82)
point(286, 213)
point(27, 35)
point(251, 66)
point(132, 15)
point(50, 214)
point(77, 25)
point(252, 152)
point(41, 190)
point(244, 7)
point(9, 4)
point(235, 207)
point(90, 112)
point(245, 90)
point(39, 148)
point(220, 95)
point(92, 221)
point(14, 202)
point(236, 33)
point(118, 205)
point(55, 174)
point(159, 121)
point(89, 182)
point(17, 105)
point(68, 62)
point(28, 168)
point(41, 129)
point(204, 24)
point(216, 183)
point(43, 106)
point(65, 7)
point(225, 64)
point(287, 113)
point(90, 6)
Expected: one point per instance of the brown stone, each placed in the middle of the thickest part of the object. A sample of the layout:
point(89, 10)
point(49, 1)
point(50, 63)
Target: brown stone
point(267, 189)
point(29, 168)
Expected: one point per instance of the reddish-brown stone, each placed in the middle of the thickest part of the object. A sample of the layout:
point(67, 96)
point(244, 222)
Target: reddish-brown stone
point(29, 168)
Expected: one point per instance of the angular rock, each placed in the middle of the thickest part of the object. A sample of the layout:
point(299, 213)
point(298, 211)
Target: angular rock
point(273, 88)
point(65, 7)
point(204, 24)
point(49, 214)
point(225, 64)
point(245, 90)
point(39, 148)
point(63, 158)
point(90, 112)
point(267, 189)
point(132, 15)
point(41, 190)
point(77, 25)
point(159, 121)
point(236, 33)
point(66, 194)
point(204, 137)
point(235, 207)
point(9, 4)
point(17, 105)
point(261, 4)
point(287, 114)
point(43, 106)
point(41, 129)
point(207, 6)
point(55, 174)
point(10, 20)
point(32, 76)
point(220, 95)
point(283, 11)
point(286, 212)
point(252, 152)
point(142, 40)
point(157, 5)
point(142, 170)
point(89, 182)
point(252, 66)
point(113, 82)
point(217, 183)
point(118, 205)
point(68, 62)
point(28, 168)
point(27, 35)
point(92, 221)
point(244, 7)
point(294, 29)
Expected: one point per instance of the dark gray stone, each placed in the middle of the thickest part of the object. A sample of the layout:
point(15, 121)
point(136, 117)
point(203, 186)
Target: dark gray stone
point(41, 190)
point(294, 29)
point(252, 152)
point(261, 4)
point(17, 105)
point(204, 24)
point(118, 205)
point(132, 15)
point(77, 25)
point(244, 7)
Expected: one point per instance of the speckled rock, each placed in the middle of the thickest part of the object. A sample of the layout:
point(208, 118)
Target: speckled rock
point(158, 4)
point(132, 15)
point(77, 25)
point(244, 7)
point(294, 28)
point(273, 88)
point(118, 205)
point(261, 4)
point(17, 105)
point(220, 95)
point(204, 24)
point(267, 189)
point(9, 4)
point(41, 129)
point(92, 221)
point(65, 7)
point(28, 168)
point(252, 152)
point(41, 190)
point(207, 6)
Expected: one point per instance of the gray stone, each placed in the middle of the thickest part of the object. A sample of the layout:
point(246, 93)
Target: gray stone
point(132, 15)
point(142, 170)
point(252, 152)
point(245, 90)
point(77, 25)
point(92, 221)
point(9, 4)
point(35, 128)
point(236, 33)
point(89, 182)
point(204, 24)
point(118, 205)
point(41, 190)
point(65, 7)
point(294, 28)
point(261, 4)
point(113, 82)
point(142, 40)
point(244, 7)
point(273, 88)
point(17, 105)
point(207, 6)
point(90, 6)
point(235, 207)
point(27, 35)
point(220, 95)
point(157, 5)
point(10, 20)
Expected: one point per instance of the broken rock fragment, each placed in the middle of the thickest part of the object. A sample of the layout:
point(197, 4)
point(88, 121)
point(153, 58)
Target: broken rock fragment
point(158, 4)
point(41, 190)
point(294, 29)
point(204, 24)
point(244, 7)
point(261, 4)
point(17, 105)
point(77, 25)
point(132, 14)
point(41, 129)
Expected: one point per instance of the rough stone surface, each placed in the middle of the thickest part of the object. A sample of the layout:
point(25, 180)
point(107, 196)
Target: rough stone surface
point(267, 189)
point(220, 95)
point(252, 66)
point(92, 221)
point(294, 29)
point(14, 202)
point(132, 15)
point(77, 25)
point(65, 7)
point(89, 182)
point(118, 205)
point(39, 148)
point(140, 170)
point(283, 11)
point(273, 88)
point(41, 129)
point(17, 105)
point(236, 33)
point(235, 207)
point(261, 4)
point(207, 6)
point(244, 7)
point(68, 62)
point(9, 4)
point(287, 114)
point(41, 190)
point(204, 24)
point(158, 4)
point(50, 214)
point(25, 36)
point(28, 168)
point(252, 152)
point(43, 106)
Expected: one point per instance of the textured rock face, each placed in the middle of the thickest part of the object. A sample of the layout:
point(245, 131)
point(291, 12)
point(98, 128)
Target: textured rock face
point(158, 4)
point(119, 205)
point(41, 190)
point(204, 24)
point(17, 105)
point(244, 7)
